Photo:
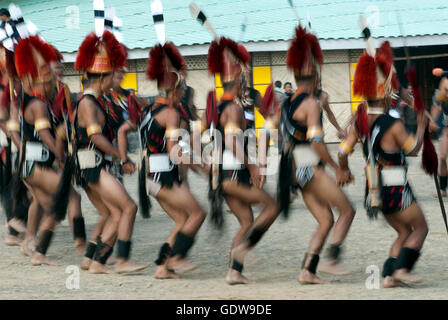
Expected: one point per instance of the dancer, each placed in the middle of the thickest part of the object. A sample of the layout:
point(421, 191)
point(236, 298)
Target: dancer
point(304, 157)
point(99, 57)
point(386, 143)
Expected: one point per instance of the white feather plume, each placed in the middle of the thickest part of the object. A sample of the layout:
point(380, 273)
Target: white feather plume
point(370, 41)
point(117, 32)
point(16, 14)
point(195, 11)
point(109, 14)
point(157, 9)
point(98, 5)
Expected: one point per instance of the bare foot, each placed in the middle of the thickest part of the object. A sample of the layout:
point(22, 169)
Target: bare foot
point(98, 268)
point(39, 259)
point(80, 246)
point(11, 240)
point(405, 276)
point(28, 247)
point(126, 266)
point(181, 265)
point(334, 268)
point(17, 225)
point(85, 263)
point(307, 277)
point(163, 273)
point(111, 261)
point(234, 277)
point(390, 282)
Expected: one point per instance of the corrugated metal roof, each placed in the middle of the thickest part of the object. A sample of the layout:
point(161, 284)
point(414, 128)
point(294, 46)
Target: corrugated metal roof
point(268, 20)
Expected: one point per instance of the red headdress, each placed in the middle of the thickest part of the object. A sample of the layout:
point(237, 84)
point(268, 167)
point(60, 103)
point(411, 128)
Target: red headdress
point(227, 58)
point(166, 65)
point(100, 54)
point(375, 77)
point(269, 105)
point(32, 57)
point(304, 56)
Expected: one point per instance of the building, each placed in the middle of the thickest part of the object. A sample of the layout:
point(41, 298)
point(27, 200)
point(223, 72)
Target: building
point(420, 25)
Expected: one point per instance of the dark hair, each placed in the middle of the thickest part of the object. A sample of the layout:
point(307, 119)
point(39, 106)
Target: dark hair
point(278, 84)
point(4, 12)
point(286, 83)
point(93, 76)
point(229, 85)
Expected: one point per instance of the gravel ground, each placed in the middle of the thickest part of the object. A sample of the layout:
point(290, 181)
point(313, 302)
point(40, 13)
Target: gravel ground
point(273, 266)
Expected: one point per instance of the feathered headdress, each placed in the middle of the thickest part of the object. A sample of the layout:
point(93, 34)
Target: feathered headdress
point(100, 54)
point(165, 64)
point(32, 56)
point(304, 55)
point(375, 75)
point(269, 105)
point(227, 58)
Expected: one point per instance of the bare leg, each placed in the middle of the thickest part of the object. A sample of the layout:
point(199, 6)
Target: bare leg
point(180, 198)
point(179, 217)
point(324, 218)
point(44, 183)
point(76, 221)
point(243, 213)
point(332, 196)
point(123, 210)
point(403, 231)
point(104, 215)
point(34, 215)
point(413, 218)
point(250, 195)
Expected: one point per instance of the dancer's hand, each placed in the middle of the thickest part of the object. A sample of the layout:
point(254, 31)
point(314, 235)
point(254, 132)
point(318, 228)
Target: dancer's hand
point(342, 134)
point(343, 177)
point(254, 175)
point(129, 167)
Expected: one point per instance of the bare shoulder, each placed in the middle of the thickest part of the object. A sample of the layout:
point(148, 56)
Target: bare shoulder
point(169, 117)
point(37, 106)
point(86, 105)
point(171, 113)
point(311, 104)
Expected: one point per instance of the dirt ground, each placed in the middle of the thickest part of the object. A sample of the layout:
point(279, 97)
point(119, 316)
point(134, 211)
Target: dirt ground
point(273, 266)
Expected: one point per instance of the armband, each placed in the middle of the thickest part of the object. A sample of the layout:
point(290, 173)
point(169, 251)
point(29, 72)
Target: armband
point(409, 145)
point(93, 129)
point(345, 148)
point(12, 126)
point(315, 134)
point(41, 124)
point(231, 128)
point(172, 133)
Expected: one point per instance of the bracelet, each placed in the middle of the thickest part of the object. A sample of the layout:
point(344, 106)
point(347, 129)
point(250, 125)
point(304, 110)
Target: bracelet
point(123, 163)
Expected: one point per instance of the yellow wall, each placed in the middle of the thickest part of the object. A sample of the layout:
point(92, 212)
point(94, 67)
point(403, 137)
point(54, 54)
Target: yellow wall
point(355, 100)
point(130, 81)
point(261, 77)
